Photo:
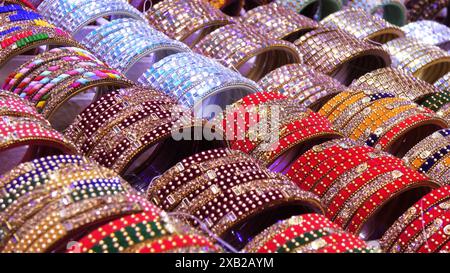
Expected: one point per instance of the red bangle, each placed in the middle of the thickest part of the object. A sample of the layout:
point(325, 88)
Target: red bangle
point(342, 242)
point(403, 127)
point(182, 242)
point(306, 163)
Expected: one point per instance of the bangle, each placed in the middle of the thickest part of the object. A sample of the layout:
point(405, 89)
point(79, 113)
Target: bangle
point(19, 41)
point(430, 155)
point(85, 193)
point(180, 75)
point(236, 45)
point(392, 11)
point(439, 236)
point(133, 232)
point(312, 8)
point(409, 225)
point(11, 14)
point(363, 25)
point(73, 16)
point(134, 131)
point(129, 46)
point(20, 132)
point(298, 130)
point(27, 3)
point(14, 106)
point(429, 32)
point(187, 21)
point(319, 51)
point(424, 9)
point(177, 244)
point(22, 74)
point(437, 100)
point(311, 88)
point(279, 21)
point(394, 80)
point(426, 62)
point(50, 85)
point(305, 233)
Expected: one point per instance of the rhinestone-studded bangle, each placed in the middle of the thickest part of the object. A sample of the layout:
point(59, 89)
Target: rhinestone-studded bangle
point(396, 81)
point(236, 45)
point(312, 8)
point(363, 25)
point(429, 32)
point(187, 21)
point(300, 82)
point(319, 48)
point(279, 22)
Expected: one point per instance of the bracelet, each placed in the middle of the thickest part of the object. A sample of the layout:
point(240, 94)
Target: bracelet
point(19, 41)
point(134, 131)
point(13, 106)
point(306, 233)
point(300, 82)
point(319, 48)
point(424, 9)
point(130, 233)
point(363, 25)
point(437, 100)
point(430, 155)
point(249, 190)
point(429, 32)
point(236, 45)
point(49, 86)
point(177, 244)
point(187, 21)
point(17, 133)
point(440, 235)
point(409, 226)
point(129, 47)
point(22, 74)
point(312, 8)
point(181, 75)
point(394, 80)
point(426, 62)
point(393, 11)
point(279, 21)
point(73, 16)
point(26, 3)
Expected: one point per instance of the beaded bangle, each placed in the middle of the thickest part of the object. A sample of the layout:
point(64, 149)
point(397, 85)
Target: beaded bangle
point(14, 106)
point(426, 62)
point(363, 25)
point(394, 80)
point(50, 85)
point(73, 16)
point(247, 50)
point(279, 22)
point(181, 75)
point(22, 74)
point(429, 32)
point(129, 129)
point(424, 9)
point(306, 232)
point(19, 41)
point(392, 11)
point(187, 21)
point(26, 3)
point(300, 82)
point(319, 48)
point(439, 236)
point(20, 132)
point(437, 100)
point(124, 54)
point(409, 226)
point(312, 8)
point(177, 244)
